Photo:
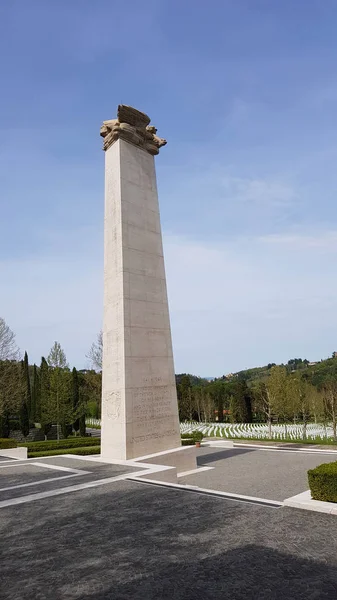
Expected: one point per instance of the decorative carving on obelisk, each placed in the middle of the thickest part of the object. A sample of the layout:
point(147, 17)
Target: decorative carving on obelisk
point(132, 126)
point(139, 400)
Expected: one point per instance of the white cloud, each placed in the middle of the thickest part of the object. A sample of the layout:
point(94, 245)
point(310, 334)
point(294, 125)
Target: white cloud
point(260, 192)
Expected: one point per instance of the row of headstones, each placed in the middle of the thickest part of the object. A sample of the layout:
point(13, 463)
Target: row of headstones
point(258, 431)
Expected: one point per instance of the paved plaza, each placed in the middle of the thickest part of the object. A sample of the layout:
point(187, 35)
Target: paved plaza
point(264, 473)
point(79, 529)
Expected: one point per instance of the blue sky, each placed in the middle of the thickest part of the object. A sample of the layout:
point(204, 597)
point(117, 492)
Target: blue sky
point(245, 92)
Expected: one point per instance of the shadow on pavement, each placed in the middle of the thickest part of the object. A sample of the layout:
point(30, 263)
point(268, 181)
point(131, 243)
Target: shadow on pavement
point(205, 459)
point(130, 542)
point(246, 573)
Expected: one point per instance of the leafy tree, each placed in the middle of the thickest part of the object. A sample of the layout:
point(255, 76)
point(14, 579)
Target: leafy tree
point(60, 394)
point(10, 377)
point(330, 400)
point(300, 390)
point(271, 395)
point(91, 392)
point(11, 388)
point(57, 357)
point(185, 402)
point(241, 403)
point(208, 406)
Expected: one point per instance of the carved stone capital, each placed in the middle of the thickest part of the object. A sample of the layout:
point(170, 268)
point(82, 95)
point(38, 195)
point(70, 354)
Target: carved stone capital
point(134, 127)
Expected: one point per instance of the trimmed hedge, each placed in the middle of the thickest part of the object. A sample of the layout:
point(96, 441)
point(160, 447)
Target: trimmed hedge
point(195, 436)
point(87, 450)
point(323, 482)
point(6, 443)
point(79, 442)
point(187, 442)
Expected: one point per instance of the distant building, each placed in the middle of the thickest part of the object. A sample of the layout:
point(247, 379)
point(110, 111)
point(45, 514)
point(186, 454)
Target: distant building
point(311, 364)
point(334, 355)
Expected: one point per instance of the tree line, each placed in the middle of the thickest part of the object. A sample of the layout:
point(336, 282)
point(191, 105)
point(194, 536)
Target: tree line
point(52, 393)
point(283, 395)
point(48, 394)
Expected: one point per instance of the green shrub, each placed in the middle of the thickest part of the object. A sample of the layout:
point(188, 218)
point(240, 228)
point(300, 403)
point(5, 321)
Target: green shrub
point(14, 425)
point(85, 451)
point(193, 436)
point(187, 442)
point(197, 436)
point(7, 443)
point(78, 442)
point(323, 482)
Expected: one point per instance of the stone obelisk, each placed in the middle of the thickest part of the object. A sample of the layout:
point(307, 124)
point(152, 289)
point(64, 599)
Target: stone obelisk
point(139, 402)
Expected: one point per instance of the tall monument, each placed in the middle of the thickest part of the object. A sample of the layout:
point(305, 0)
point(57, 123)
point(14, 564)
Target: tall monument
point(139, 402)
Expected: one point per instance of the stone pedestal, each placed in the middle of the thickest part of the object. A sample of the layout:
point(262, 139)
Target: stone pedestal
point(139, 402)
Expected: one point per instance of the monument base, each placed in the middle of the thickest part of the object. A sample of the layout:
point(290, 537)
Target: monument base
point(182, 459)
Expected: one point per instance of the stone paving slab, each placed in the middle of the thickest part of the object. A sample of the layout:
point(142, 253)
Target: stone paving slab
point(21, 473)
point(137, 541)
point(17, 476)
point(274, 475)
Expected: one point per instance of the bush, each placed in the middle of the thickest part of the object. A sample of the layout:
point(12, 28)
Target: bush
point(61, 444)
point(14, 425)
point(7, 443)
point(323, 482)
point(194, 436)
point(85, 451)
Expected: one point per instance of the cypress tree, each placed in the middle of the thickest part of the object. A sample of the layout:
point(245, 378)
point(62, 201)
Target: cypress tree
point(25, 407)
point(26, 397)
point(82, 425)
point(4, 425)
point(26, 383)
point(36, 404)
point(75, 398)
point(46, 409)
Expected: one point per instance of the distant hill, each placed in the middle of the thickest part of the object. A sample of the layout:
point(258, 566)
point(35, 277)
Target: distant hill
point(316, 371)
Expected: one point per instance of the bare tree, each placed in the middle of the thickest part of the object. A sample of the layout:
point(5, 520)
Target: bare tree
point(11, 389)
point(8, 347)
point(95, 354)
point(330, 401)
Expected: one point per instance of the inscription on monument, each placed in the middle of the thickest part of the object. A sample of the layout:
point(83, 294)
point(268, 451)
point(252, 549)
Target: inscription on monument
point(152, 403)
